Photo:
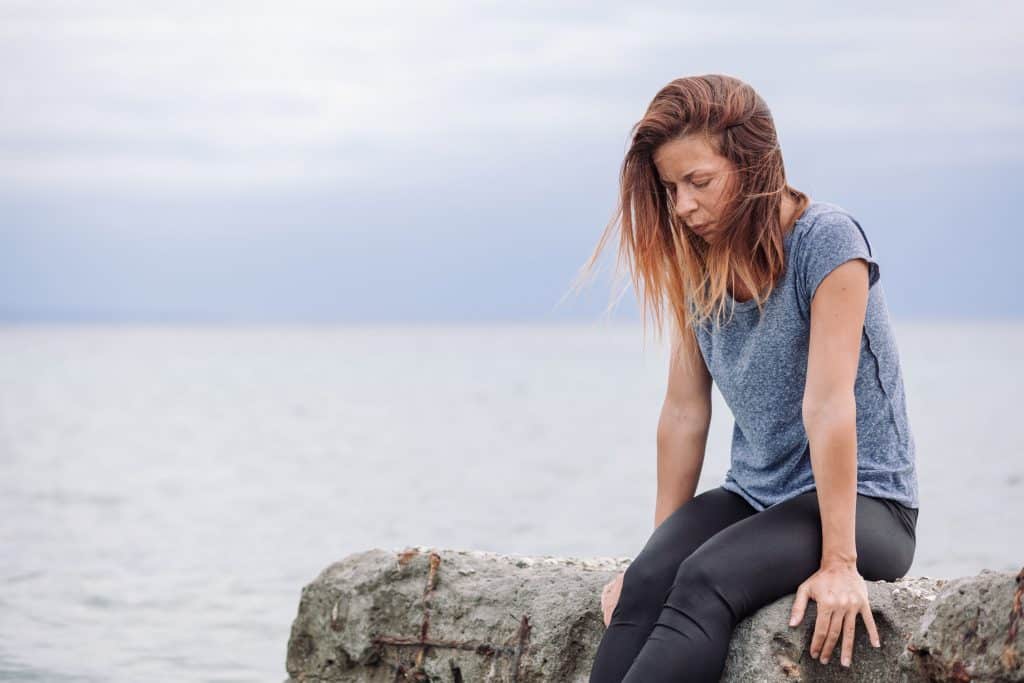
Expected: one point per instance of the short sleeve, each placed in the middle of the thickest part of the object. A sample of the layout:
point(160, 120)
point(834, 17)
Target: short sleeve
point(832, 240)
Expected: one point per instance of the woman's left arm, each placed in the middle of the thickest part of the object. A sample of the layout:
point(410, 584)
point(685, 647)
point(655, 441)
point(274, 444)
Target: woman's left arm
point(830, 420)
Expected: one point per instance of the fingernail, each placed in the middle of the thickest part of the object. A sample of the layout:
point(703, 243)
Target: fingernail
point(846, 662)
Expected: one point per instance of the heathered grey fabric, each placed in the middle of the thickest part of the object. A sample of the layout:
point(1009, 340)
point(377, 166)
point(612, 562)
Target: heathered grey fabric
point(760, 367)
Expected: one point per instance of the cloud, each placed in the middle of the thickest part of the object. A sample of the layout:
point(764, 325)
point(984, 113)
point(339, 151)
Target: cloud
point(197, 98)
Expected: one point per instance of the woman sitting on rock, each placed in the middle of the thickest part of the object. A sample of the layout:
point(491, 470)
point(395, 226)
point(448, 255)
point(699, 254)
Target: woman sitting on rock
point(821, 491)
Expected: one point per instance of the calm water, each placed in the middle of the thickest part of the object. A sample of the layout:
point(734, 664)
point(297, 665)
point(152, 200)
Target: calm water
point(165, 493)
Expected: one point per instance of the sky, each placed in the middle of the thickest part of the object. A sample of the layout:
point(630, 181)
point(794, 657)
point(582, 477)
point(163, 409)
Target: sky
point(394, 162)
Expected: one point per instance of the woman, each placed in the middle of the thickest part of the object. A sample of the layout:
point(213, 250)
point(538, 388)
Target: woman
point(821, 493)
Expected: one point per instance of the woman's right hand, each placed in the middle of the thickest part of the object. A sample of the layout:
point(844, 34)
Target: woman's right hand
point(610, 597)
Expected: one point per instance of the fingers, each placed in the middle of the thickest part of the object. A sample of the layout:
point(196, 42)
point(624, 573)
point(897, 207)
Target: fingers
point(821, 626)
point(869, 623)
point(835, 629)
point(831, 625)
point(849, 624)
point(799, 605)
point(610, 597)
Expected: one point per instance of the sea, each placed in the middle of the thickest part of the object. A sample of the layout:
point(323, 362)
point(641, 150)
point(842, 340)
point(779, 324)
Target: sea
point(166, 491)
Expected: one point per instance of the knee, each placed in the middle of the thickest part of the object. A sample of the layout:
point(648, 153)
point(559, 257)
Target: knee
point(696, 571)
point(707, 593)
point(644, 586)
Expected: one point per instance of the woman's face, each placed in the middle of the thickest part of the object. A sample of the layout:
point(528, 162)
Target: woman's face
point(698, 182)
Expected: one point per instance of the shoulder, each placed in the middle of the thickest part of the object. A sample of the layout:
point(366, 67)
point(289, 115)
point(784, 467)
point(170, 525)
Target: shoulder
point(829, 237)
point(827, 226)
point(824, 218)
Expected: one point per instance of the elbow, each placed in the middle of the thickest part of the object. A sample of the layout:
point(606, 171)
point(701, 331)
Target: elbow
point(678, 437)
point(694, 416)
point(671, 435)
point(833, 409)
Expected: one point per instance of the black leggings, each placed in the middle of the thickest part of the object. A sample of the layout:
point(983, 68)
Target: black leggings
point(716, 560)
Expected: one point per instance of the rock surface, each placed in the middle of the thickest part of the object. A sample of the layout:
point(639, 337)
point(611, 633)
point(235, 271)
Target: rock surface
point(972, 631)
point(424, 614)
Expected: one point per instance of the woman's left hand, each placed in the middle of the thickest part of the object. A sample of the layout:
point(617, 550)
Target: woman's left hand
point(840, 594)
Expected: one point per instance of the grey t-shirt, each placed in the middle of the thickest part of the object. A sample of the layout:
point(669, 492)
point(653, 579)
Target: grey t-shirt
point(760, 368)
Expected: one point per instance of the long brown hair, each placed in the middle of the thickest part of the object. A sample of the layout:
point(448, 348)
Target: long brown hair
point(670, 265)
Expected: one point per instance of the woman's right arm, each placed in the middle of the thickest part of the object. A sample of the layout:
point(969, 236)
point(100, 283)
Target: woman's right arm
point(682, 429)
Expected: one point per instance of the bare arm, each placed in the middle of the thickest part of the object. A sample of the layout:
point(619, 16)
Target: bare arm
point(829, 405)
point(832, 434)
point(682, 430)
point(830, 419)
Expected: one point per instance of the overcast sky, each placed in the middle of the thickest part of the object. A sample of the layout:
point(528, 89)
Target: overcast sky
point(411, 162)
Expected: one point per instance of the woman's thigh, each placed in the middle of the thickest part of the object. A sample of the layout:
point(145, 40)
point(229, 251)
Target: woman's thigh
point(767, 555)
point(650, 575)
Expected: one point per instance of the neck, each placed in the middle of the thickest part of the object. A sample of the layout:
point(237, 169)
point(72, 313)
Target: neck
point(788, 213)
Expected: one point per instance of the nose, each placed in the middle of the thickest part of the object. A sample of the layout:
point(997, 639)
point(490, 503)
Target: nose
point(685, 203)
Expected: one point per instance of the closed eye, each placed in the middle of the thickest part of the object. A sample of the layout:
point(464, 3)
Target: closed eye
point(697, 185)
